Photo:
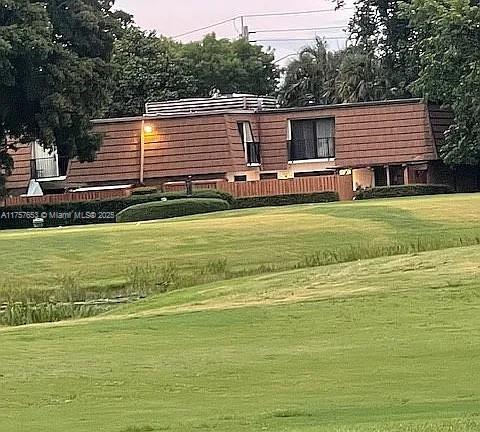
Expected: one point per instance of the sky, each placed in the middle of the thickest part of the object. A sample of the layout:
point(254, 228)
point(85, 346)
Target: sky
point(173, 18)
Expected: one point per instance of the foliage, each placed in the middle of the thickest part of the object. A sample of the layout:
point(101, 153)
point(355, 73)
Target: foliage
point(380, 30)
point(282, 200)
point(321, 77)
point(171, 209)
point(154, 68)
point(450, 70)
point(54, 69)
point(91, 212)
point(311, 78)
point(403, 191)
point(146, 190)
point(147, 68)
point(230, 67)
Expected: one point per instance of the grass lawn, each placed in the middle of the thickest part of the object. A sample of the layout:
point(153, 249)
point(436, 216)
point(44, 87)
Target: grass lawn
point(378, 345)
point(100, 256)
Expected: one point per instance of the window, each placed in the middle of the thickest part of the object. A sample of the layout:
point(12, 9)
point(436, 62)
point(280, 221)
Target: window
point(240, 178)
point(311, 139)
point(251, 148)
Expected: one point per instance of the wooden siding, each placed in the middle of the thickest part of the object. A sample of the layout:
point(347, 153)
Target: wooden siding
point(440, 120)
point(118, 160)
point(364, 135)
point(209, 145)
point(20, 177)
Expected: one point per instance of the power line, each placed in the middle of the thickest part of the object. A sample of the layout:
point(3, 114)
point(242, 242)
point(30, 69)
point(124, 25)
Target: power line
point(233, 19)
point(294, 13)
point(299, 39)
point(299, 29)
point(207, 27)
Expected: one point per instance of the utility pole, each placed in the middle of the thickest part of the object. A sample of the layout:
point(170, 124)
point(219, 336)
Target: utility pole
point(245, 32)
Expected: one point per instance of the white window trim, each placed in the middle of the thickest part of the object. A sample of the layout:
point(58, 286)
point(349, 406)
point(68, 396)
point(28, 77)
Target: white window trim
point(247, 127)
point(305, 161)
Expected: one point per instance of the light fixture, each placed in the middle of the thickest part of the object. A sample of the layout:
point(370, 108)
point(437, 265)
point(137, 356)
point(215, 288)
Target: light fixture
point(148, 129)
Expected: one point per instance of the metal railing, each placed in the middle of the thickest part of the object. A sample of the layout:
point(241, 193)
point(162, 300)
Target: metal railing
point(321, 148)
point(253, 153)
point(50, 167)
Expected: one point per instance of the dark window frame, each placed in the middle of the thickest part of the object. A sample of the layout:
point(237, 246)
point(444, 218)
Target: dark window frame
point(314, 144)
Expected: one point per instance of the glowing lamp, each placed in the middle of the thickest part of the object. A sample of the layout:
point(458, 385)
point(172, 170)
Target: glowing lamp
point(148, 129)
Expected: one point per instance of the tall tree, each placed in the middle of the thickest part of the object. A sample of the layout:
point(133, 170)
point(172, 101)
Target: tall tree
point(147, 68)
point(319, 76)
point(54, 72)
point(311, 78)
point(449, 49)
point(231, 67)
point(381, 30)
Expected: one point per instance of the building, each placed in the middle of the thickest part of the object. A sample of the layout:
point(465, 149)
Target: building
point(243, 138)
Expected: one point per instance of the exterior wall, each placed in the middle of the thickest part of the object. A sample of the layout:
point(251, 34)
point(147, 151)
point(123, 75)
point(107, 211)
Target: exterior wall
point(118, 160)
point(17, 183)
point(365, 135)
point(208, 146)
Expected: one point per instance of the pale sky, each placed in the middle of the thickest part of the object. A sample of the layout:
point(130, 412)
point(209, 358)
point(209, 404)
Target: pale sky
point(172, 18)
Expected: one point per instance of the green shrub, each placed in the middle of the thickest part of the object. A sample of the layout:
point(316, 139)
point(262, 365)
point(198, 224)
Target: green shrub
point(89, 212)
point(403, 191)
point(144, 191)
point(283, 200)
point(171, 209)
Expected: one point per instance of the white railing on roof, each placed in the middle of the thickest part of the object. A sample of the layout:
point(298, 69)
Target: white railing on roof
point(218, 103)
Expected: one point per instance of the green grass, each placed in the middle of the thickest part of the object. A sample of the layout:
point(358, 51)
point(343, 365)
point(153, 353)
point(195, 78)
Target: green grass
point(375, 345)
point(100, 257)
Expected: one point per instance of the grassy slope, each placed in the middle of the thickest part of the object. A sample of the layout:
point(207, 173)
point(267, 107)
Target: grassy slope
point(373, 346)
point(281, 236)
point(380, 345)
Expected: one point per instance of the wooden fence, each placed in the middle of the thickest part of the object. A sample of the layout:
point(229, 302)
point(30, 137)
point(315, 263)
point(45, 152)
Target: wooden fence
point(334, 183)
point(68, 197)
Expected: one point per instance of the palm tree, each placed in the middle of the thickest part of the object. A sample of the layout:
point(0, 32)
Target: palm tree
point(310, 79)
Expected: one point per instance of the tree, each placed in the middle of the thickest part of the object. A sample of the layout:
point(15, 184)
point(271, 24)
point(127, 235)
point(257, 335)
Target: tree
point(147, 68)
point(231, 67)
point(381, 30)
point(54, 72)
point(360, 77)
point(323, 77)
point(449, 49)
point(311, 78)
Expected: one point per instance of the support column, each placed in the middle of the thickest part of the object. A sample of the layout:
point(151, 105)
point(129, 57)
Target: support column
point(389, 181)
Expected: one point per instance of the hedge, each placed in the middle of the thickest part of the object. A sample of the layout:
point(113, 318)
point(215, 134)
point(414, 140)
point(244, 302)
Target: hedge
point(284, 200)
point(89, 212)
point(105, 211)
point(171, 209)
point(403, 191)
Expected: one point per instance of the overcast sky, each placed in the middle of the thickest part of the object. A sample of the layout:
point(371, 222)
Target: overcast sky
point(174, 17)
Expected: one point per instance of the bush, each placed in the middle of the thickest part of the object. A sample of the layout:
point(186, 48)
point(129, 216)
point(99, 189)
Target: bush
point(403, 191)
point(144, 191)
point(89, 212)
point(171, 209)
point(283, 200)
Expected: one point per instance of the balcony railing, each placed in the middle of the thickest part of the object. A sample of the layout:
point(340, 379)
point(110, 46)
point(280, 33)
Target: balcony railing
point(321, 148)
point(50, 167)
point(253, 153)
